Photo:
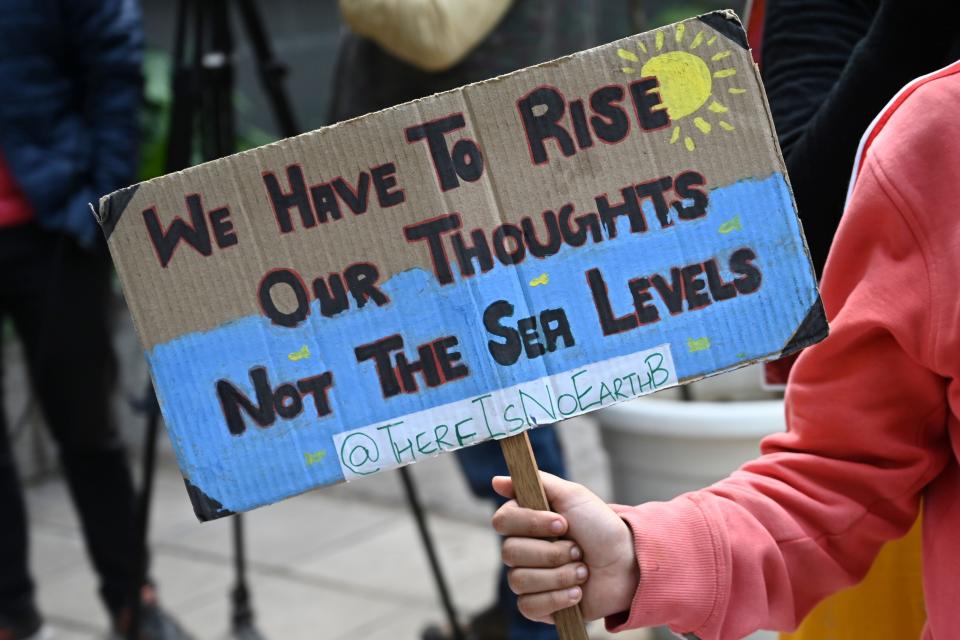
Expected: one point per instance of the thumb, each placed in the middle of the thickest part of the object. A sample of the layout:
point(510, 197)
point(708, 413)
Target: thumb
point(563, 494)
point(503, 485)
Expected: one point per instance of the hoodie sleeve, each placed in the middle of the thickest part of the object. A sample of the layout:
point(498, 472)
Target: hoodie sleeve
point(866, 421)
point(106, 39)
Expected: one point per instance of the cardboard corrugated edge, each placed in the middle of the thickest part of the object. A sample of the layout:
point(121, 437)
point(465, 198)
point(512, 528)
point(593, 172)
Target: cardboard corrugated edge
point(112, 207)
point(205, 507)
point(814, 326)
point(725, 21)
point(812, 329)
point(728, 24)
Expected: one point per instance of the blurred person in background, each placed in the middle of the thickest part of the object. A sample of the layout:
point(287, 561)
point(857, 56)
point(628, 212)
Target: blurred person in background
point(70, 71)
point(829, 67)
point(873, 435)
point(400, 50)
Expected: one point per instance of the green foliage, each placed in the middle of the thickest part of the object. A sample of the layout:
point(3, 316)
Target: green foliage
point(155, 114)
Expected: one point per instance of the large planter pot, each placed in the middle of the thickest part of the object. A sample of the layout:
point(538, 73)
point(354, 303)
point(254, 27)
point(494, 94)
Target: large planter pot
point(659, 449)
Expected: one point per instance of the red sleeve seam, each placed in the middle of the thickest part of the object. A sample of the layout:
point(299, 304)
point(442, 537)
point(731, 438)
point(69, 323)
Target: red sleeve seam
point(719, 572)
point(912, 222)
point(923, 478)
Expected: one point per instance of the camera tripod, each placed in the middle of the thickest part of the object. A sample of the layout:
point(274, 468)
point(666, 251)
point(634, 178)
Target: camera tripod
point(203, 127)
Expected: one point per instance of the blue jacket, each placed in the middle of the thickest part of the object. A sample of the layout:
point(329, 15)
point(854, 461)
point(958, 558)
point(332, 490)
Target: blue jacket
point(70, 76)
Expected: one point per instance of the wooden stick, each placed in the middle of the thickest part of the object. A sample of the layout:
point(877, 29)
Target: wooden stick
point(529, 491)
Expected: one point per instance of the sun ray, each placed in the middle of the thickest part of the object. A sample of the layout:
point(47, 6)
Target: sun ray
point(687, 81)
point(716, 107)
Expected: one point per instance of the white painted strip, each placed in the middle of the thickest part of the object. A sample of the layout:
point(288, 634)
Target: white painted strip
point(502, 413)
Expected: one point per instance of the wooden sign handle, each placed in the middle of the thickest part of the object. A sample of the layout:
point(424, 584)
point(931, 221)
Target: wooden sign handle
point(529, 491)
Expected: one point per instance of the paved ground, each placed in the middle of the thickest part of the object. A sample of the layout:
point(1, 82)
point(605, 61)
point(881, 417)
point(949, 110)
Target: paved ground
point(339, 563)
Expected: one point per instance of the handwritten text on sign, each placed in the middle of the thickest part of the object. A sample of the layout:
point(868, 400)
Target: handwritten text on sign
point(466, 266)
point(503, 412)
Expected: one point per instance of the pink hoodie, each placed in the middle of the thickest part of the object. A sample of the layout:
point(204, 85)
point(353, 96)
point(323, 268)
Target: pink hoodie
point(872, 414)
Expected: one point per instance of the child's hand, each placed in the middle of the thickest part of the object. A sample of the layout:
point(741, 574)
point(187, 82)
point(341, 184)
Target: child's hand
point(595, 565)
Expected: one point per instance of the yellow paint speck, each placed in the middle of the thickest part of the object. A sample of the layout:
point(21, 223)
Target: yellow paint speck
point(315, 457)
point(542, 279)
point(302, 354)
point(731, 225)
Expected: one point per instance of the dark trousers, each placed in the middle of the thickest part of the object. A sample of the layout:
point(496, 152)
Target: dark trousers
point(479, 464)
point(57, 296)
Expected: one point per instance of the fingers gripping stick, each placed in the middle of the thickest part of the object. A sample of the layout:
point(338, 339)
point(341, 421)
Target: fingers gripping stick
point(530, 494)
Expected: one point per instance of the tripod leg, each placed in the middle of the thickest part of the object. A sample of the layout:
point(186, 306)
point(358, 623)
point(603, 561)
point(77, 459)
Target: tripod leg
point(208, 82)
point(218, 135)
point(178, 157)
point(143, 508)
point(183, 83)
point(417, 509)
point(217, 127)
point(271, 70)
point(242, 626)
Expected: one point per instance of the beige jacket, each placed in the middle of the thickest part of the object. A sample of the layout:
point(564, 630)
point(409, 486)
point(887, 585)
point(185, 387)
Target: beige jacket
point(430, 34)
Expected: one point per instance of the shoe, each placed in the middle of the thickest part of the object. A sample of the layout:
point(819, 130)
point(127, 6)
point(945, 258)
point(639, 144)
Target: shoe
point(489, 624)
point(29, 627)
point(155, 624)
point(43, 633)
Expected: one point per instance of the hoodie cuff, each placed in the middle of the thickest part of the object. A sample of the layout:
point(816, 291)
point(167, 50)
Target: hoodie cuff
point(678, 555)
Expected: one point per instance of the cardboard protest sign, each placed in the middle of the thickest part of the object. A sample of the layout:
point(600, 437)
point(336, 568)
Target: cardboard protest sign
point(466, 266)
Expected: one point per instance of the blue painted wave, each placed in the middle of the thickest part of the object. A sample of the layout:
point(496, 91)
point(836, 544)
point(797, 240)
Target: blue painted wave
point(266, 464)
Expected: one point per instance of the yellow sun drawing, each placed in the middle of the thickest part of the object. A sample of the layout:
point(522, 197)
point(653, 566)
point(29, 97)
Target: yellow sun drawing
point(687, 80)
